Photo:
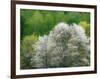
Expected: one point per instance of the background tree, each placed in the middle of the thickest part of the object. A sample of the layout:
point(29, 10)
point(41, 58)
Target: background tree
point(42, 21)
point(27, 51)
point(86, 26)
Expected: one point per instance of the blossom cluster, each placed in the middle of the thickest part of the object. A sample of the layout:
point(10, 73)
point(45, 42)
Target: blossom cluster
point(65, 46)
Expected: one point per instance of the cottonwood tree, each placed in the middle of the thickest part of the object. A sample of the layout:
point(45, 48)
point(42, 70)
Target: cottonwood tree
point(65, 46)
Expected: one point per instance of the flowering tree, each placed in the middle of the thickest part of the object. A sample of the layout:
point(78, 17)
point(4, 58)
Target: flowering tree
point(41, 50)
point(65, 46)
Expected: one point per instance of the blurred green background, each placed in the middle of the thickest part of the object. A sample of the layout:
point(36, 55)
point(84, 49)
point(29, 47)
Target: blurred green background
point(34, 23)
point(40, 22)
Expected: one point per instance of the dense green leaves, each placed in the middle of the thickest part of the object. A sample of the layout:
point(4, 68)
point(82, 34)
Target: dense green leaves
point(27, 51)
point(40, 22)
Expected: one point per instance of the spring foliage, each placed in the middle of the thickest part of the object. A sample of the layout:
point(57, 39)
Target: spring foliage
point(41, 22)
point(27, 51)
point(65, 46)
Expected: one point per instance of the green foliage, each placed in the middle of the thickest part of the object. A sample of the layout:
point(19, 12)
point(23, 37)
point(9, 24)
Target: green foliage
point(27, 50)
point(60, 17)
point(25, 15)
point(86, 26)
point(40, 22)
point(73, 17)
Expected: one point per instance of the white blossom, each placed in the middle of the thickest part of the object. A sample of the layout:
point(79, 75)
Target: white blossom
point(65, 46)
